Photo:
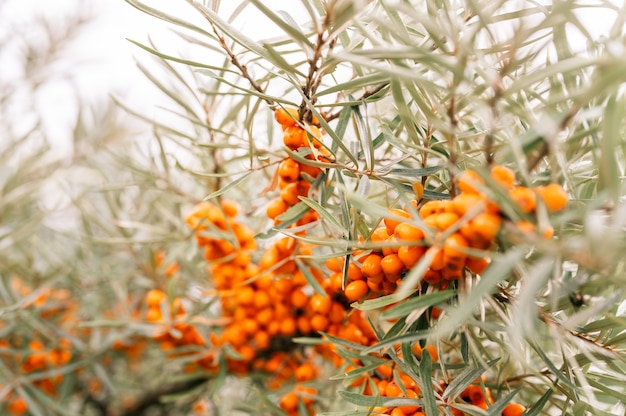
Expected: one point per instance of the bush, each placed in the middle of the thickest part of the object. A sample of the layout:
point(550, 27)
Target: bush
point(435, 228)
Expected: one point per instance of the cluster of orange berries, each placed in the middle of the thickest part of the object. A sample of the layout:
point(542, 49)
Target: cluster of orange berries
point(454, 234)
point(479, 395)
point(33, 356)
point(389, 381)
point(37, 359)
point(295, 177)
point(173, 330)
point(264, 305)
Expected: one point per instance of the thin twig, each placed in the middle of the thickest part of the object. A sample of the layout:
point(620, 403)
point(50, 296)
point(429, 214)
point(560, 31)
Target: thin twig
point(235, 61)
point(366, 95)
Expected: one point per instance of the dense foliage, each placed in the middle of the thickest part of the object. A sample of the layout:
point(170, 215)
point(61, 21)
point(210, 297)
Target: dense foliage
point(400, 208)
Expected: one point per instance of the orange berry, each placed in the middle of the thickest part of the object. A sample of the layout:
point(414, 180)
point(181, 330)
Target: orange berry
point(320, 304)
point(334, 264)
point(289, 402)
point(430, 208)
point(335, 282)
point(289, 194)
point(432, 277)
point(486, 225)
point(376, 286)
point(230, 207)
point(503, 176)
point(410, 410)
point(299, 299)
point(304, 326)
point(408, 382)
point(314, 137)
point(410, 255)
point(305, 393)
point(385, 371)
point(452, 272)
point(553, 195)
point(354, 272)
point(294, 137)
point(482, 404)
point(437, 263)
point(524, 198)
point(463, 203)
point(154, 297)
point(513, 409)
point(379, 235)
point(408, 232)
point(337, 313)
point(371, 265)
point(526, 227)
point(356, 290)
point(393, 390)
point(469, 181)
point(392, 247)
point(286, 117)
point(265, 316)
point(319, 322)
point(244, 296)
point(17, 406)
point(288, 326)
point(431, 221)
point(312, 171)
point(289, 170)
point(477, 265)
point(432, 350)
point(446, 220)
point(453, 249)
point(391, 223)
point(305, 372)
point(397, 412)
point(275, 208)
point(548, 232)
point(389, 285)
point(261, 300)
point(456, 412)
point(391, 265)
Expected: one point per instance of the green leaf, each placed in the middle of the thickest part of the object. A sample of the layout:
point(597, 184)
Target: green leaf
point(421, 301)
point(465, 378)
point(496, 408)
point(290, 28)
point(612, 128)
point(224, 189)
point(496, 272)
point(310, 278)
point(359, 82)
point(381, 302)
point(536, 408)
point(323, 212)
point(167, 17)
point(369, 401)
point(426, 374)
point(357, 371)
point(181, 60)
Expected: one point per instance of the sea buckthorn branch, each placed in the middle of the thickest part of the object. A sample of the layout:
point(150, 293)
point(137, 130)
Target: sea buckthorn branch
point(364, 96)
point(235, 61)
point(40, 359)
point(268, 304)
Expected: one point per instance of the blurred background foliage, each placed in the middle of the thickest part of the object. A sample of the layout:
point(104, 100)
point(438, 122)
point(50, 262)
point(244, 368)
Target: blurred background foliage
point(406, 91)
